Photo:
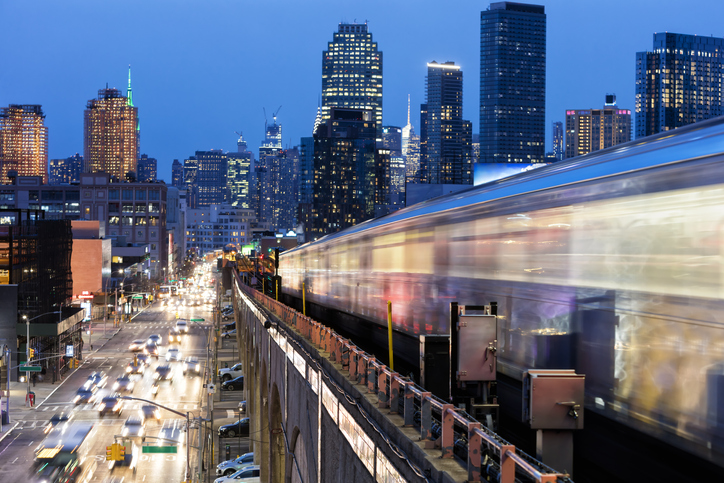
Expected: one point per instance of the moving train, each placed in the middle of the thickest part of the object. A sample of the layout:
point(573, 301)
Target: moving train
point(610, 264)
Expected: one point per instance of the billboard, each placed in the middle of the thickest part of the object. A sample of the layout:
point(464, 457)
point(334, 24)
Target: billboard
point(487, 172)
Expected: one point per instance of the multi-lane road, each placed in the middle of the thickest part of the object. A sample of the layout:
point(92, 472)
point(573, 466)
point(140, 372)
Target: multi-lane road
point(183, 395)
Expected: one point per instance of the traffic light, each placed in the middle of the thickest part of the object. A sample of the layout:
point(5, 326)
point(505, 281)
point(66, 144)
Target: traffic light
point(121, 452)
point(276, 258)
point(32, 353)
point(110, 456)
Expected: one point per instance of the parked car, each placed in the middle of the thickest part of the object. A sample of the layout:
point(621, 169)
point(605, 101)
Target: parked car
point(228, 373)
point(229, 326)
point(227, 315)
point(229, 467)
point(234, 384)
point(248, 474)
point(191, 364)
point(229, 334)
point(241, 427)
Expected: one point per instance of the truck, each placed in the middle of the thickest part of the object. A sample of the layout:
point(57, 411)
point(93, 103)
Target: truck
point(229, 373)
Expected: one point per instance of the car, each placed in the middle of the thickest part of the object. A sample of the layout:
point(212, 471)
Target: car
point(241, 427)
point(229, 326)
point(156, 339)
point(182, 326)
point(58, 419)
point(163, 373)
point(227, 315)
point(173, 354)
point(229, 467)
point(151, 349)
point(234, 384)
point(142, 358)
point(137, 345)
point(191, 364)
point(229, 334)
point(85, 395)
point(97, 379)
point(149, 411)
point(135, 367)
point(133, 427)
point(174, 335)
point(110, 404)
point(123, 384)
point(248, 474)
point(228, 373)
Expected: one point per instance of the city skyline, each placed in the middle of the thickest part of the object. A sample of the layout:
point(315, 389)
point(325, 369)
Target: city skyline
point(194, 91)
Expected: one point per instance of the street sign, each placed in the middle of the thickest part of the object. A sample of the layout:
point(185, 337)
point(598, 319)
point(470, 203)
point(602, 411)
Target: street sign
point(160, 449)
point(138, 297)
point(30, 368)
point(69, 350)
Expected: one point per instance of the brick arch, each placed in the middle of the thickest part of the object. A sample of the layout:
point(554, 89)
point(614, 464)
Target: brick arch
point(277, 445)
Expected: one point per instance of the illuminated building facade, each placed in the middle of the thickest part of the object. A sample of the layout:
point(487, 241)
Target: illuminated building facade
point(678, 83)
point(352, 72)
point(216, 226)
point(65, 171)
point(558, 150)
point(343, 190)
point(210, 186)
point(445, 155)
point(238, 179)
point(512, 83)
point(177, 174)
point(147, 169)
point(589, 130)
point(23, 141)
point(111, 136)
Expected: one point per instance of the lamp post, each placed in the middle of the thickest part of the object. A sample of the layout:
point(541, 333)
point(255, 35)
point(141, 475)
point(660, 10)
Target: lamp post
point(115, 319)
point(27, 348)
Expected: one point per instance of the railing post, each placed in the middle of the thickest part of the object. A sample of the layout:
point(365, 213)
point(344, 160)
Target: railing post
point(343, 353)
point(352, 364)
point(507, 464)
point(394, 393)
point(474, 444)
point(409, 405)
point(426, 418)
point(371, 372)
point(448, 431)
point(362, 370)
point(383, 400)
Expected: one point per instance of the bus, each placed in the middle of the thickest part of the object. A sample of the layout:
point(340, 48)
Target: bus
point(167, 291)
point(64, 454)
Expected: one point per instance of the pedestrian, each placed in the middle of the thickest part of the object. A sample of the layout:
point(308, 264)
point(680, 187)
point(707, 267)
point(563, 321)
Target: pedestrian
point(35, 378)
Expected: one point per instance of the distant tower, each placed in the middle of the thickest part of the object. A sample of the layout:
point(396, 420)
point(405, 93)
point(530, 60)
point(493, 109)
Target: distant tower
point(512, 83)
point(147, 169)
point(65, 171)
point(23, 141)
point(352, 72)
point(679, 83)
point(558, 149)
point(589, 130)
point(446, 154)
point(110, 129)
point(177, 174)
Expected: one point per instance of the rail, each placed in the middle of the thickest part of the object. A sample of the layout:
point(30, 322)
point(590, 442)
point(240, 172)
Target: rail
point(411, 401)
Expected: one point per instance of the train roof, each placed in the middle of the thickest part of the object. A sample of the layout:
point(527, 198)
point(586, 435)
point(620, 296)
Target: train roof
point(699, 140)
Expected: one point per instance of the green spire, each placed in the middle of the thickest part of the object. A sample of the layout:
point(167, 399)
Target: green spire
point(130, 92)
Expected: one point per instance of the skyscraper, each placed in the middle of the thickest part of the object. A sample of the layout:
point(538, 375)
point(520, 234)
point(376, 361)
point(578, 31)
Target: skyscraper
point(512, 83)
point(147, 169)
point(343, 190)
point(111, 136)
point(23, 141)
point(65, 171)
point(239, 172)
point(589, 130)
point(177, 174)
point(210, 186)
point(352, 72)
point(558, 149)
point(445, 155)
point(678, 83)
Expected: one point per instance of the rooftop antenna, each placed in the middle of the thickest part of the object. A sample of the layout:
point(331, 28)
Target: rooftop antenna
point(408, 109)
point(130, 92)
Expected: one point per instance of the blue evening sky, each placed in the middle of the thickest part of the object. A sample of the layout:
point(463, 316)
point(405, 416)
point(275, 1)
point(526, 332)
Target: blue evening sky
point(204, 69)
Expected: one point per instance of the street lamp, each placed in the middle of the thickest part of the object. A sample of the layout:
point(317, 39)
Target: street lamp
point(27, 348)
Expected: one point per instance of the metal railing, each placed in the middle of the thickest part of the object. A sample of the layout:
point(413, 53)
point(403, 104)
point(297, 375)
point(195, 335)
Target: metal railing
point(486, 451)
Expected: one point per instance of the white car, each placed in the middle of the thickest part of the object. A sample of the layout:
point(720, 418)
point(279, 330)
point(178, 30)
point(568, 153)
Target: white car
point(173, 354)
point(229, 467)
point(248, 474)
point(229, 373)
point(182, 326)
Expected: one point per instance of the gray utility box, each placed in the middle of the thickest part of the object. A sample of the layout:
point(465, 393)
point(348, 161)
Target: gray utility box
point(553, 399)
point(477, 339)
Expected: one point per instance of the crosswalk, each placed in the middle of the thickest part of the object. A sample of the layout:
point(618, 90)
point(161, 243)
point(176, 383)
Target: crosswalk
point(185, 406)
point(37, 424)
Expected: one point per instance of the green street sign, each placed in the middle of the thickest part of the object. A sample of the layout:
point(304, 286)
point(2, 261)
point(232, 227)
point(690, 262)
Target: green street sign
point(160, 449)
point(30, 368)
point(196, 320)
point(138, 297)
